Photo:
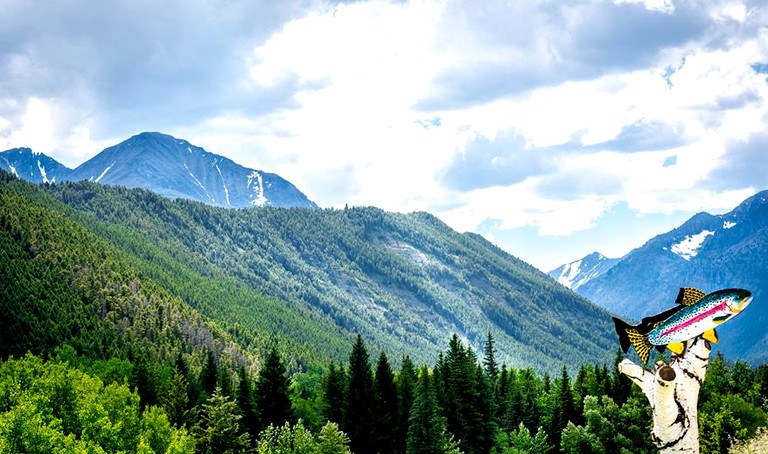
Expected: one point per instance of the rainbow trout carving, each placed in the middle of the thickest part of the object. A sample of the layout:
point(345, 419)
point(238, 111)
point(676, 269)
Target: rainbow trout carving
point(696, 313)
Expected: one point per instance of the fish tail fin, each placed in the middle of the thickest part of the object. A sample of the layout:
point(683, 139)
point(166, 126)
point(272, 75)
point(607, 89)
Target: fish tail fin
point(632, 335)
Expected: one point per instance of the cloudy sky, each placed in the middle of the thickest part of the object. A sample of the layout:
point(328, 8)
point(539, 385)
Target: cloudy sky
point(553, 127)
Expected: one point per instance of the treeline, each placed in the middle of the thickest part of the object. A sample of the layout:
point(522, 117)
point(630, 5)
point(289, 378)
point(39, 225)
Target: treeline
point(463, 403)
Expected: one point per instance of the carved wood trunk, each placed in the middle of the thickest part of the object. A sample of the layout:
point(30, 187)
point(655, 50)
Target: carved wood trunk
point(673, 392)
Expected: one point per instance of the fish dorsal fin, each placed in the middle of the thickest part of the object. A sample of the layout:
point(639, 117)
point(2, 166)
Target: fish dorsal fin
point(689, 296)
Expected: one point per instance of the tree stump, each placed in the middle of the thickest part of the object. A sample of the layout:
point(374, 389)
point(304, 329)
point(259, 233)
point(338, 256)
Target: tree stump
point(673, 392)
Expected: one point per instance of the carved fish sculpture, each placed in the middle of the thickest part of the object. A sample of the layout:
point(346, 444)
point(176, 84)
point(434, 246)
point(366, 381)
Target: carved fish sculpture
point(695, 314)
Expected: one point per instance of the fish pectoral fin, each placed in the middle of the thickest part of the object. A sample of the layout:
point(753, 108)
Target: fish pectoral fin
point(689, 296)
point(676, 347)
point(710, 335)
point(721, 319)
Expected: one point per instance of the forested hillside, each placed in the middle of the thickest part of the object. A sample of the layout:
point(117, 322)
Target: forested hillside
point(174, 327)
point(402, 281)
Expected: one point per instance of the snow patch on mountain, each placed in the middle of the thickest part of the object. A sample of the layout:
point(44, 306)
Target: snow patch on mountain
point(199, 183)
point(577, 273)
point(256, 184)
point(224, 182)
point(728, 224)
point(104, 172)
point(690, 245)
point(43, 174)
point(571, 272)
point(13, 171)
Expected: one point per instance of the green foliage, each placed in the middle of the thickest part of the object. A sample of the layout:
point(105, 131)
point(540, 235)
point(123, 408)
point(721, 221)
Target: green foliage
point(332, 440)
point(271, 393)
point(385, 406)
point(220, 430)
point(316, 276)
point(334, 386)
point(156, 313)
point(731, 406)
point(296, 439)
point(51, 407)
point(358, 405)
point(521, 442)
point(427, 431)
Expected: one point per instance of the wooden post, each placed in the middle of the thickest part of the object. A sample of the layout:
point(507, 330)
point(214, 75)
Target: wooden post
point(673, 392)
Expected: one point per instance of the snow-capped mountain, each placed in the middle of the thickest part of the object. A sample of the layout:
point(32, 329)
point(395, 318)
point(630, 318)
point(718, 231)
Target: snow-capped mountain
point(575, 274)
point(33, 167)
point(175, 168)
point(709, 252)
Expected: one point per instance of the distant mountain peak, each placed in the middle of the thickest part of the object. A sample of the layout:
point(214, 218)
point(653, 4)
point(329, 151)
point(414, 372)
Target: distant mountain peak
point(32, 166)
point(577, 273)
point(175, 168)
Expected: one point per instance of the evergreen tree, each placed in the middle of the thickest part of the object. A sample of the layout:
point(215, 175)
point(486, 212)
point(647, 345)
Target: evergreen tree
point(271, 393)
point(220, 431)
point(621, 384)
point(485, 408)
point(490, 365)
point(491, 370)
point(194, 390)
point(245, 403)
point(385, 406)
point(334, 385)
point(427, 433)
point(145, 380)
point(175, 400)
point(209, 375)
point(529, 389)
point(406, 388)
point(563, 409)
point(358, 414)
point(463, 398)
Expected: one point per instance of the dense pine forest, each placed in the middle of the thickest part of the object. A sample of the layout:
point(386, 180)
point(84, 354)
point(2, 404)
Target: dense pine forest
point(462, 403)
point(132, 323)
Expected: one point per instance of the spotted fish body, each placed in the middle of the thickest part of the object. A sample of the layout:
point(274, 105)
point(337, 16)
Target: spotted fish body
point(697, 314)
point(704, 315)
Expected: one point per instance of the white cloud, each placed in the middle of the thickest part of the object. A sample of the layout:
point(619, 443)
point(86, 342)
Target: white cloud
point(664, 6)
point(36, 130)
point(632, 102)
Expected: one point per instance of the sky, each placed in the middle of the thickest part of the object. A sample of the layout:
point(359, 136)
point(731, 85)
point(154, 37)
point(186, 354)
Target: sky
point(554, 128)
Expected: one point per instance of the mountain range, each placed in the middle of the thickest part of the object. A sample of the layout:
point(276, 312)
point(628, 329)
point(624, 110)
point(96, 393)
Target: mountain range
point(166, 165)
point(310, 277)
point(709, 252)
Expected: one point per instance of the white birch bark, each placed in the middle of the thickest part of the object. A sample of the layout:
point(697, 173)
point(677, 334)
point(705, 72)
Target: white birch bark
point(673, 392)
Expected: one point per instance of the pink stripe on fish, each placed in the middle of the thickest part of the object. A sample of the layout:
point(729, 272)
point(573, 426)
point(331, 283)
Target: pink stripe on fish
point(697, 318)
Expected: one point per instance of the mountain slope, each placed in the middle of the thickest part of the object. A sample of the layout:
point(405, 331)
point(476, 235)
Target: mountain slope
point(577, 273)
point(175, 168)
point(403, 281)
point(709, 252)
point(63, 284)
point(33, 167)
